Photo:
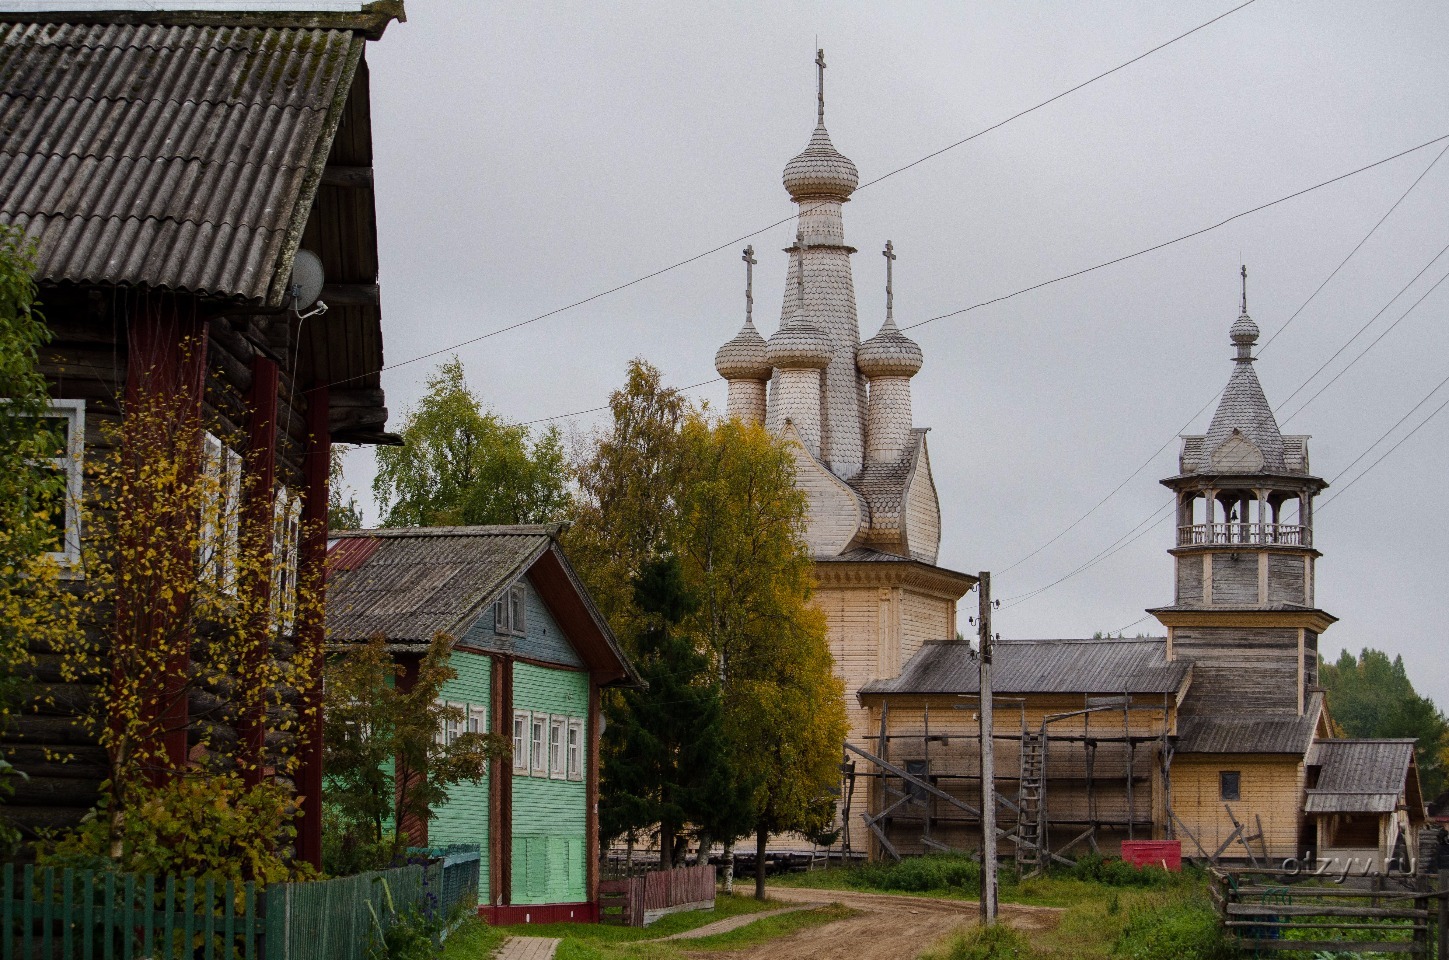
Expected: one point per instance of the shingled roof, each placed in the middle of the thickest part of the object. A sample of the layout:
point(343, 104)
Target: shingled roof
point(409, 584)
point(1362, 776)
point(1250, 732)
point(1042, 666)
point(172, 150)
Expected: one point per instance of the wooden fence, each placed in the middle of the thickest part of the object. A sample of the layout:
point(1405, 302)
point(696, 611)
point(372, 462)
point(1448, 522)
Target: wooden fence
point(639, 901)
point(1277, 911)
point(65, 914)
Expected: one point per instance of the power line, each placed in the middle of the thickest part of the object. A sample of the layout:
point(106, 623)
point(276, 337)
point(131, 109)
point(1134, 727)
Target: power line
point(1348, 486)
point(1116, 545)
point(1099, 266)
point(869, 183)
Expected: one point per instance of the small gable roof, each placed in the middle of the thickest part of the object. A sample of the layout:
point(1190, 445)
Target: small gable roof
point(1363, 776)
point(1041, 666)
point(409, 584)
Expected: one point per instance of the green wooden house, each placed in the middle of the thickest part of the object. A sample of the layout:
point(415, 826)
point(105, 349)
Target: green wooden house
point(531, 654)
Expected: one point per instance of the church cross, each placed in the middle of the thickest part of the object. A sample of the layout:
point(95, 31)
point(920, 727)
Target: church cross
point(890, 255)
point(750, 261)
point(820, 82)
point(1245, 289)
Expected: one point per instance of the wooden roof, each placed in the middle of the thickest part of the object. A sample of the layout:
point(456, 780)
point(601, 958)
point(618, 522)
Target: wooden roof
point(1363, 776)
point(409, 584)
point(1285, 733)
point(1041, 666)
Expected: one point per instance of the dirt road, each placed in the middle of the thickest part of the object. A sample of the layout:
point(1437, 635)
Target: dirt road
point(888, 928)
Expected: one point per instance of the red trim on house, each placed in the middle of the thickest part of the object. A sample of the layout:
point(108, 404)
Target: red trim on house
point(544, 913)
point(591, 801)
point(167, 361)
point(502, 827)
point(416, 830)
point(311, 630)
point(261, 468)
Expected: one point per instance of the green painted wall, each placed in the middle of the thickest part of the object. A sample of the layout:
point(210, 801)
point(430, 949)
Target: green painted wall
point(464, 818)
point(549, 816)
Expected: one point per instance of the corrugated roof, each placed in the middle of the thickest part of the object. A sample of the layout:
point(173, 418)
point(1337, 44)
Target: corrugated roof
point(1359, 776)
point(178, 157)
point(1042, 666)
point(1250, 733)
point(417, 583)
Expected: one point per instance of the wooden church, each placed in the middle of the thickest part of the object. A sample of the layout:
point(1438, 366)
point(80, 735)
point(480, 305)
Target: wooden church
point(1215, 735)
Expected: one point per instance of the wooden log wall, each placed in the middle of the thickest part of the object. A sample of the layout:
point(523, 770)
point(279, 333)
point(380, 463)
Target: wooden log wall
point(1239, 669)
point(1270, 790)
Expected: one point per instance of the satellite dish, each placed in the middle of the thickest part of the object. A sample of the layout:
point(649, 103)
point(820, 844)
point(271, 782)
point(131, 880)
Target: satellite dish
point(307, 279)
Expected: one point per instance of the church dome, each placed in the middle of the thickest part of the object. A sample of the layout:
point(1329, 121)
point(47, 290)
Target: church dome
point(798, 345)
point(743, 358)
point(889, 353)
point(820, 170)
point(1244, 332)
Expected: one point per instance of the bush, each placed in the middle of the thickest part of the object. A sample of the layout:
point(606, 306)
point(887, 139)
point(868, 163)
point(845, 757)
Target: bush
point(999, 942)
point(1095, 868)
point(209, 828)
point(937, 871)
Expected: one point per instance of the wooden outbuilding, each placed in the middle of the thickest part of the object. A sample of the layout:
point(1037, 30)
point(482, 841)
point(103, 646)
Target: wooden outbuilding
point(174, 168)
point(532, 654)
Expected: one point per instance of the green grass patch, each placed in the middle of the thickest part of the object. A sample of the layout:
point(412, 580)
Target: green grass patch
point(473, 938)
point(585, 944)
point(771, 928)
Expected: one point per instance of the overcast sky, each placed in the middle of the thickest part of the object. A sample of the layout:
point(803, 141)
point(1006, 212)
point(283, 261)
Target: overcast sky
point(529, 156)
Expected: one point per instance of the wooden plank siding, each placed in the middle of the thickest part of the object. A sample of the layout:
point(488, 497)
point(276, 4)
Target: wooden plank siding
point(1270, 788)
point(549, 814)
point(1239, 669)
point(1235, 578)
point(1286, 578)
point(1189, 579)
point(952, 759)
point(464, 818)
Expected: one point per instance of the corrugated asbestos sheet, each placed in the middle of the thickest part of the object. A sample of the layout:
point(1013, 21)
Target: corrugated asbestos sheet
point(1042, 666)
point(419, 582)
point(1359, 776)
point(1250, 733)
point(172, 157)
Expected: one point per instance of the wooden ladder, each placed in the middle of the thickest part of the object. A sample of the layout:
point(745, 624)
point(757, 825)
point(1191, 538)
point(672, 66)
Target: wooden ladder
point(1029, 799)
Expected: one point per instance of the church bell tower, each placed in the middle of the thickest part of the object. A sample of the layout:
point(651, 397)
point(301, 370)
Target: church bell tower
point(1244, 612)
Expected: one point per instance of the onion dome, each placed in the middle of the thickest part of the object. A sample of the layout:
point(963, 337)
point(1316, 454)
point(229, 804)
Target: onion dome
point(820, 170)
point(1244, 332)
point(743, 358)
point(889, 353)
point(798, 345)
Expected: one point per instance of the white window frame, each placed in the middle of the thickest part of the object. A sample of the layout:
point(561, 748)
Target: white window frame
point(476, 720)
point(286, 550)
point(71, 464)
point(521, 727)
point(574, 750)
point(449, 729)
point(510, 612)
point(538, 744)
point(219, 540)
point(558, 747)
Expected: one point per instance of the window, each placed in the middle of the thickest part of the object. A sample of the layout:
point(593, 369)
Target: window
point(539, 765)
point(557, 733)
point(286, 547)
point(68, 419)
point(477, 721)
point(576, 750)
point(1229, 785)
point(452, 726)
point(220, 515)
point(520, 741)
point(509, 617)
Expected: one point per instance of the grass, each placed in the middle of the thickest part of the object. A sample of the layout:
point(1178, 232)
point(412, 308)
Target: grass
point(611, 942)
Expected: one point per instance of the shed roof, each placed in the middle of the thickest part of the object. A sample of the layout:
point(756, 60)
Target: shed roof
point(1041, 666)
point(410, 584)
point(1251, 732)
point(1361, 776)
point(166, 156)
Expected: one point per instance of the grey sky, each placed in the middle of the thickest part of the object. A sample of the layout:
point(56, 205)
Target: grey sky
point(529, 156)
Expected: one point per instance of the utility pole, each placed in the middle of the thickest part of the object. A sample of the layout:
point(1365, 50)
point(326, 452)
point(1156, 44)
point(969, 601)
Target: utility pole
point(988, 761)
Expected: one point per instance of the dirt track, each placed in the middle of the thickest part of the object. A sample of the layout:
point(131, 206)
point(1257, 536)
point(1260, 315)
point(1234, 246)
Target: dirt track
point(888, 928)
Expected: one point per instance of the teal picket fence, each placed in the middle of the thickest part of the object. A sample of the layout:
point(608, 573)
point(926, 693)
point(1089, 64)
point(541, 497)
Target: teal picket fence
point(66, 914)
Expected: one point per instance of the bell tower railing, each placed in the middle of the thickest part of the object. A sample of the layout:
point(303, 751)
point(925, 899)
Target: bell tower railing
point(1248, 534)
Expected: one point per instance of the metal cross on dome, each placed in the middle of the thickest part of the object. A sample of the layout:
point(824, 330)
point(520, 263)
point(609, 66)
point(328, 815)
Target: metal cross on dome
point(750, 261)
point(820, 73)
point(1245, 289)
point(890, 255)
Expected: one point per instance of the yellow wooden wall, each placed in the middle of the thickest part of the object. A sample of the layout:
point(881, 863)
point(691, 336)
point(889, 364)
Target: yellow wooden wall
point(1270, 788)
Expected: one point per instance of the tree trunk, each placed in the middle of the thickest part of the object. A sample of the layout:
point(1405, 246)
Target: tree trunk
point(729, 866)
point(666, 846)
point(761, 835)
